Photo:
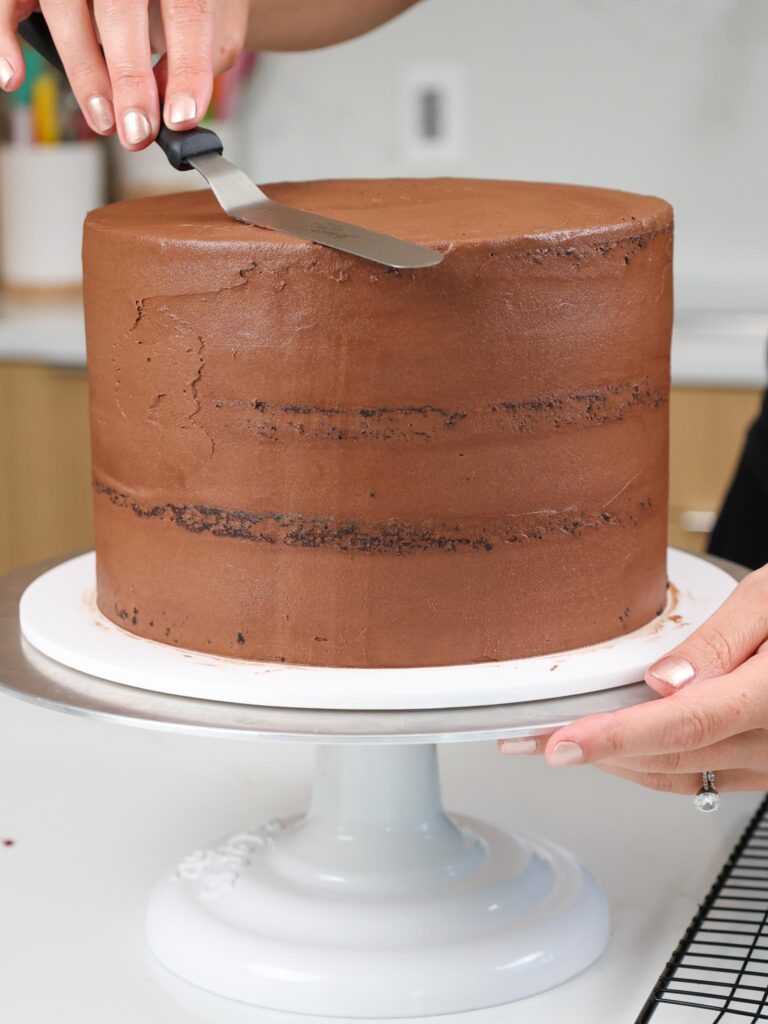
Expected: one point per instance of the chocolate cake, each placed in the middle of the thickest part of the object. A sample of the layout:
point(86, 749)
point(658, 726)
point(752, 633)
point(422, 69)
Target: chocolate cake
point(301, 456)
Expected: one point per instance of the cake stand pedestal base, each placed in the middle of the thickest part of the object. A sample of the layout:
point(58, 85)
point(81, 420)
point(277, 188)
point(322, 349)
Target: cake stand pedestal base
point(377, 903)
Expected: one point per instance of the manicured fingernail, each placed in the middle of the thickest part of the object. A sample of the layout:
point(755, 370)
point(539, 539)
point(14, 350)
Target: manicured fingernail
point(179, 109)
point(136, 127)
point(566, 753)
point(6, 72)
point(673, 670)
point(100, 113)
point(528, 746)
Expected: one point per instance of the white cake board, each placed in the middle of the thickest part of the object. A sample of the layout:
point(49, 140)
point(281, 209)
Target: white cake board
point(59, 617)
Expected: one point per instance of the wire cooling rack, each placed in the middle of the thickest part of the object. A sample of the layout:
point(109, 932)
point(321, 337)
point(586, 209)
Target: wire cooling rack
point(719, 972)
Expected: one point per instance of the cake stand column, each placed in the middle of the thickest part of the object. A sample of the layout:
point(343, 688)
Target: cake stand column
point(376, 823)
point(377, 903)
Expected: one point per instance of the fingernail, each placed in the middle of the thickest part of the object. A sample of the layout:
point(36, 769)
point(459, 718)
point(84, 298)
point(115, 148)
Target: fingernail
point(100, 114)
point(136, 127)
point(566, 753)
point(6, 72)
point(673, 670)
point(528, 746)
point(179, 109)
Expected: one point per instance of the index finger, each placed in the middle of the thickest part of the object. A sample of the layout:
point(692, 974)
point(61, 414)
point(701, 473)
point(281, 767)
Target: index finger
point(691, 718)
point(73, 33)
point(189, 41)
point(124, 29)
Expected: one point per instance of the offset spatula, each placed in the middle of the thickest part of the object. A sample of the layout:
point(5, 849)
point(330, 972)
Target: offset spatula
point(241, 199)
point(201, 149)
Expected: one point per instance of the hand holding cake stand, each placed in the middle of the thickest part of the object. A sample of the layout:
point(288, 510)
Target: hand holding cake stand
point(376, 903)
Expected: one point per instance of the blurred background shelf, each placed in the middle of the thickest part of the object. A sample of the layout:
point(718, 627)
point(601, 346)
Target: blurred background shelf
point(45, 502)
point(707, 430)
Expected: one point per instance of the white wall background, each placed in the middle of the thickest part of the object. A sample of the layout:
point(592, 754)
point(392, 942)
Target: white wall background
point(661, 96)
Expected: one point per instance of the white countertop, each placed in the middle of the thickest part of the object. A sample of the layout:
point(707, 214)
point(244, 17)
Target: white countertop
point(97, 812)
point(710, 348)
point(42, 332)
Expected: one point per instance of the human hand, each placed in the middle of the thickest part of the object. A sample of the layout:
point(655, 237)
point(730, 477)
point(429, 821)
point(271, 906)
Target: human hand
point(713, 715)
point(106, 47)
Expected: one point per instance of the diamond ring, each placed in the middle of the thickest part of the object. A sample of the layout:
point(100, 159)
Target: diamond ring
point(707, 799)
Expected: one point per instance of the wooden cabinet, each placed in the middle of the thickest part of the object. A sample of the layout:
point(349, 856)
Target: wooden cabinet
point(45, 494)
point(45, 476)
point(707, 431)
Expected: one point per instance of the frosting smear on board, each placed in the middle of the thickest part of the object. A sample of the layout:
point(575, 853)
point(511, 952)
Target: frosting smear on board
point(300, 456)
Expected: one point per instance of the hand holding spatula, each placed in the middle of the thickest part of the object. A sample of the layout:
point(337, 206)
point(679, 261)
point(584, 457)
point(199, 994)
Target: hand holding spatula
point(240, 198)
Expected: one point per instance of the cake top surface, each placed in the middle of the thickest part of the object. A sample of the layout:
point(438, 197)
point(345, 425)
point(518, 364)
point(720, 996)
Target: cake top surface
point(427, 210)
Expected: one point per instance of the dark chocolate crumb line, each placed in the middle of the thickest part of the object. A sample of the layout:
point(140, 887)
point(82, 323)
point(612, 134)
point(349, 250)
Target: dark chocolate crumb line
point(393, 537)
point(607, 404)
point(603, 247)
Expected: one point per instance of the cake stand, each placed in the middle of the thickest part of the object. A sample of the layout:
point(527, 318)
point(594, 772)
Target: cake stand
point(376, 903)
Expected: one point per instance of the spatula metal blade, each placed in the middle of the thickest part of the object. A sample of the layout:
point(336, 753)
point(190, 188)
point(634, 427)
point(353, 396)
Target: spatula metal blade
point(244, 201)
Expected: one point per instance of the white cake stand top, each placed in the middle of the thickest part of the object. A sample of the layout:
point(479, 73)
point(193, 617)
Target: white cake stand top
point(59, 618)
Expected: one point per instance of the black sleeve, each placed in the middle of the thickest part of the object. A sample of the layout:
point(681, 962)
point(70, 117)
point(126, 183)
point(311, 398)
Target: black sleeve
point(741, 531)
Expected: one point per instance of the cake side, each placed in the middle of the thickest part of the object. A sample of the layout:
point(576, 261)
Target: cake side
point(300, 456)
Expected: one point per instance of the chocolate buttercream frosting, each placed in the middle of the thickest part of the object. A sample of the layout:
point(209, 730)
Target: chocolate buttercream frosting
point(300, 456)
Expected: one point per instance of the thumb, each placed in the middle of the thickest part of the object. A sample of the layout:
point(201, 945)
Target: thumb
point(728, 637)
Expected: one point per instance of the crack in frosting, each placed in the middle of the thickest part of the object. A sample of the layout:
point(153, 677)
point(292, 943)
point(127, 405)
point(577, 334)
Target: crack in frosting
point(391, 537)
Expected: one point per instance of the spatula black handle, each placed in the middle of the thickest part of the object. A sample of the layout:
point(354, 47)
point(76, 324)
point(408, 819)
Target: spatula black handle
point(180, 146)
point(177, 146)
